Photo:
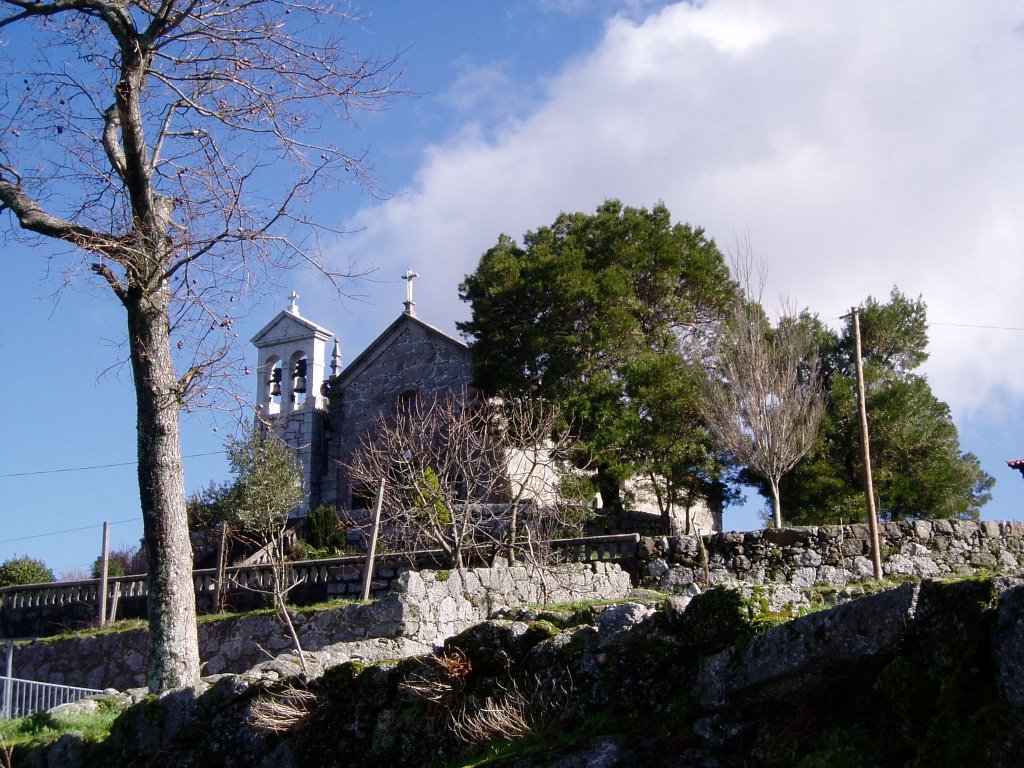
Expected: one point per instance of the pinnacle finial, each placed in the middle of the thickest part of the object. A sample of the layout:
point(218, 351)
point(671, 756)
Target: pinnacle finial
point(336, 359)
point(409, 276)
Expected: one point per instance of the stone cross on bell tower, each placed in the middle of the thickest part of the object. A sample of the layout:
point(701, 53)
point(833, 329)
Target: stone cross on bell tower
point(409, 276)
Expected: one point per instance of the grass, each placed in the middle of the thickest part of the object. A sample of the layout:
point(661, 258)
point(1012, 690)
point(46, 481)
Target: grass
point(582, 605)
point(128, 625)
point(41, 728)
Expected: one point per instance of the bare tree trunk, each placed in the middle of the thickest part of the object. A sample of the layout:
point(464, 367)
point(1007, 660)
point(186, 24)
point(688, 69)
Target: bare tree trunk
point(776, 503)
point(278, 571)
point(510, 549)
point(173, 644)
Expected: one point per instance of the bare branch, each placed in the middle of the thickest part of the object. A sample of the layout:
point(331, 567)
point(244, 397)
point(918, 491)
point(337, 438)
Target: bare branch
point(461, 470)
point(33, 217)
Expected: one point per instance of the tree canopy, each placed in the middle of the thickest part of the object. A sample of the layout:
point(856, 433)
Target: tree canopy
point(919, 469)
point(24, 570)
point(603, 314)
point(266, 486)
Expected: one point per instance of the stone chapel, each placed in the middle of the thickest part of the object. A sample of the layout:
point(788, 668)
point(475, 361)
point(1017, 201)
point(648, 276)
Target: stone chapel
point(322, 407)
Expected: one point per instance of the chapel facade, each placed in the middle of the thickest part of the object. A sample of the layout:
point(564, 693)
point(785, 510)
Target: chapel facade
point(323, 412)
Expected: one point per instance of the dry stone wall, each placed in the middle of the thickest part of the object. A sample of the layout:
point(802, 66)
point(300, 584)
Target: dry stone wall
point(423, 607)
point(804, 557)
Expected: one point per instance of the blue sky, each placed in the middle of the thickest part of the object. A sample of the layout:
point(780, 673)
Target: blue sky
point(856, 146)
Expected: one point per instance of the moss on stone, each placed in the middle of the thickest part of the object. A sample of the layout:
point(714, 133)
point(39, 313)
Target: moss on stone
point(539, 631)
point(715, 620)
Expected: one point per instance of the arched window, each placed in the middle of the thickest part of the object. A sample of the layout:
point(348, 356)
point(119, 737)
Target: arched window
point(364, 495)
point(407, 402)
point(274, 381)
point(299, 374)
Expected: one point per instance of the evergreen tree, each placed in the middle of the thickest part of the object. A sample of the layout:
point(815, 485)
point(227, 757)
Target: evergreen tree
point(919, 469)
point(603, 314)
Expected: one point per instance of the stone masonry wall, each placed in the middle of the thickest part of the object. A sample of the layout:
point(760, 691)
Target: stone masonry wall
point(425, 607)
point(834, 555)
point(410, 357)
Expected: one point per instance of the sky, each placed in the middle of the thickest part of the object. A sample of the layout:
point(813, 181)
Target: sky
point(854, 146)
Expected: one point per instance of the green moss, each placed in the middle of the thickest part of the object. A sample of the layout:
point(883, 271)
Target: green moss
point(539, 631)
point(936, 703)
point(715, 620)
point(839, 748)
point(125, 625)
point(442, 575)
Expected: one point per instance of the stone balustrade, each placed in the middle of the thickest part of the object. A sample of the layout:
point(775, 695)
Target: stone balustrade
point(41, 609)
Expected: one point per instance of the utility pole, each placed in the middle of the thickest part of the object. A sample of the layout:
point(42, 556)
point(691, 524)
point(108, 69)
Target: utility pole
point(104, 566)
point(869, 485)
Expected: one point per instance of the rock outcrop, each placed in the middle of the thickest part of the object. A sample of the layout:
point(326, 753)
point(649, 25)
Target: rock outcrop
point(926, 674)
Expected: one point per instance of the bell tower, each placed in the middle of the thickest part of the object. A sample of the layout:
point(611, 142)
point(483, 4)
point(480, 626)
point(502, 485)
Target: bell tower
point(291, 354)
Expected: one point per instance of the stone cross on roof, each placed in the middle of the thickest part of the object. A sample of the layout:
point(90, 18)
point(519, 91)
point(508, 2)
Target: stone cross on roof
point(409, 276)
point(293, 303)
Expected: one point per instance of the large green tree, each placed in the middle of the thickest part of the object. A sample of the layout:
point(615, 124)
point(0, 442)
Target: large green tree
point(919, 469)
point(603, 313)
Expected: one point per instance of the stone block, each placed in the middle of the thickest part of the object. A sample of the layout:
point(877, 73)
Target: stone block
point(619, 620)
point(1008, 646)
point(788, 662)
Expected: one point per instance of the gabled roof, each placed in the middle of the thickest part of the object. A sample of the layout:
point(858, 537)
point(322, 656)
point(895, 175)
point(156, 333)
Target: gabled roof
point(379, 345)
point(302, 328)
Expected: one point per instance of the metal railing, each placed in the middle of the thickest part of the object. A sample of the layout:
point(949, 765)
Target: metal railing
point(21, 698)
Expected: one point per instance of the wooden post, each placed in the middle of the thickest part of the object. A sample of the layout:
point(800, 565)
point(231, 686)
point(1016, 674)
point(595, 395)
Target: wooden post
point(8, 683)
point(115, 597)
point(869, 486)
point(218, 587)
point(371, 550)
point(104, 563)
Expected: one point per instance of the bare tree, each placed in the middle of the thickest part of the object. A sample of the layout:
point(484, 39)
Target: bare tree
point(171, 145)
point(762, 394)
point(267, 488)
point(461, 470)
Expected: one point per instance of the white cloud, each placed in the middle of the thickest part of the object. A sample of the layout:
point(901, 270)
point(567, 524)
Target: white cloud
point(858, 146)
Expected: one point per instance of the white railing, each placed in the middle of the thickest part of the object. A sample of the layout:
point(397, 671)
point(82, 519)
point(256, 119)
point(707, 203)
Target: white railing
point(21, 698)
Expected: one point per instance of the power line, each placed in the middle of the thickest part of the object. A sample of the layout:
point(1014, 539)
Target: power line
point(96, 466)
point(69, 530)
point(985, 327)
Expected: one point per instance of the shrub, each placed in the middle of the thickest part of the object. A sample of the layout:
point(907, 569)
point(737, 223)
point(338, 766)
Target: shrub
point(324, 532)
point(205, 508)
point(125, 561)
point(24, 570)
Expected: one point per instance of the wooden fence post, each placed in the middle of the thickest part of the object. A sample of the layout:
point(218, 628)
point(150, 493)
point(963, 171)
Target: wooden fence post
point(371, 551)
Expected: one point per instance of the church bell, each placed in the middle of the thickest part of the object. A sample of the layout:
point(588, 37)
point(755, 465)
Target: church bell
point(300, 377)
